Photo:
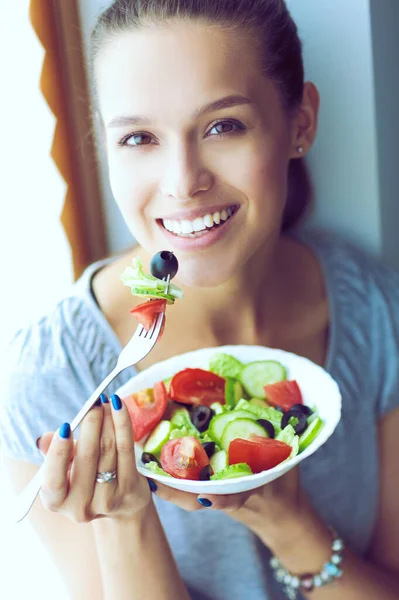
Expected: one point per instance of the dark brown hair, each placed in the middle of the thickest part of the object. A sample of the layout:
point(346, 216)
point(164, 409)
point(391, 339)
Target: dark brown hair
point(281, 51)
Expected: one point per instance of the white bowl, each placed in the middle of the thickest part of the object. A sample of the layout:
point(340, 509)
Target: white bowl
point(317, 387)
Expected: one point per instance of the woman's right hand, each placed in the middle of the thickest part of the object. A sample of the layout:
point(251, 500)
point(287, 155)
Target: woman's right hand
point(105, 443)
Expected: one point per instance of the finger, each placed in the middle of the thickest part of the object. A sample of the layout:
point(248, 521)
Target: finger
point(44, 442)
point(126, 459)
point(87, 451)
point(55, 484)
point(184, 500)
point(107, 459)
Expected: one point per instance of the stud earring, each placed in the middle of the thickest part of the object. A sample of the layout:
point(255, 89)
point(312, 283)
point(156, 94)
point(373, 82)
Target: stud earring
point(299, 149)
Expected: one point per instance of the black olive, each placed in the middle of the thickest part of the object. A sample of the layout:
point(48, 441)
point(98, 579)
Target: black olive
point(278, 408)
point(305, 409)
point(209, 448)
point(163, 264)
point(146, 457)
point(206, 473)
point(268, 426)
point(201, 416)
point(296, 414)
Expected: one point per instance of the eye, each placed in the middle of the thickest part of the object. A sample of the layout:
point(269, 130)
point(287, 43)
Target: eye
point(136, 139)
point(227, 128)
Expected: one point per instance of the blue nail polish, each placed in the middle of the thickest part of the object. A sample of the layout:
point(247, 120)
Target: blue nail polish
point(153, 485)
point(205, 502)
point(97, 403)
point(65, 431)
point(104, 398)
point(116, 402)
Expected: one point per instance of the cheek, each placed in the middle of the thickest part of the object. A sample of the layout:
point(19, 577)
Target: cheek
point(263, 179)
point(130, 189)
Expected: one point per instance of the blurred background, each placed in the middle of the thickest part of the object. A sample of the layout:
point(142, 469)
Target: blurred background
point(57, 210)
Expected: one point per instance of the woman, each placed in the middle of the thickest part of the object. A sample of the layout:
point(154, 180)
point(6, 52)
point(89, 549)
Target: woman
point(205, 108)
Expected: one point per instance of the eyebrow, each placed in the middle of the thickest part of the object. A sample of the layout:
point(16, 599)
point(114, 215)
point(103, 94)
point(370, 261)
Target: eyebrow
point(222, 103)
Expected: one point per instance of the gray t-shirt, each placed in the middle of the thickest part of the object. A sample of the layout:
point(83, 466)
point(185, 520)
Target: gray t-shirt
point(55, 364)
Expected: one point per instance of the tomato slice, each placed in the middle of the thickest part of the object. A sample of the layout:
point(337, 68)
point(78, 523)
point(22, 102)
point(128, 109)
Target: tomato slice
point(146, 408)
point(284, 394)
point(259, 453)
point(145, 313)
point(197, 386)
point(184, 458)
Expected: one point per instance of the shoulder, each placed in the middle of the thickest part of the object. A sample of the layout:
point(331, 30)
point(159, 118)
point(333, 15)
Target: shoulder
point(50, 366)
point(364, 296)
point(358, 270)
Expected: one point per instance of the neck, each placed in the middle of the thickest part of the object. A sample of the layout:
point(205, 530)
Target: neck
point(245, 304)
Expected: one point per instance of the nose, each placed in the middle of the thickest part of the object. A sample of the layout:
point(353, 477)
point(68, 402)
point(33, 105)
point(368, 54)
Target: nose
point(185, 174)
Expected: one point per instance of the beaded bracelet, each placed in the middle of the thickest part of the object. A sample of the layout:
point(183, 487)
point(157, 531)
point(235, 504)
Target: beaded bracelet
point(307, 583)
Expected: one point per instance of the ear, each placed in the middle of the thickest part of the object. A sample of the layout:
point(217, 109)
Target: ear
point(304, 124)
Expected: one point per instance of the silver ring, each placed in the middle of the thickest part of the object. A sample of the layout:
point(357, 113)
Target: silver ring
point(106, 476)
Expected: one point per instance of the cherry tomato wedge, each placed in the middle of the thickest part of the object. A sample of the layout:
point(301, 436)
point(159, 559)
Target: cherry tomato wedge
point(145, 313)
point(196, 386)
point(146, 408)
point(184, 458)
point(259, 453)
point(284, 394)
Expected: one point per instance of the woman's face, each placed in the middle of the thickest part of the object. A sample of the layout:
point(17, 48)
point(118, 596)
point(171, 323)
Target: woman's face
point(198, 145)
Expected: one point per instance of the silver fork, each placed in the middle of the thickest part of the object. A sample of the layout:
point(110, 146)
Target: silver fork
point(138, 347)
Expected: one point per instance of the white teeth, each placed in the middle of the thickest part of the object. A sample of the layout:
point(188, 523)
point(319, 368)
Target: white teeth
point(199, 224)
point(208, 220)
point(216, 218)
point(186, 227)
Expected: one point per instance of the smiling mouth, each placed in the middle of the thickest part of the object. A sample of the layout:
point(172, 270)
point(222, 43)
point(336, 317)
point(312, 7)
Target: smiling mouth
point(199, 226)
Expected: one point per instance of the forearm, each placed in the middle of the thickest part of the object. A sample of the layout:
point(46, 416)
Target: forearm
point(136, 561)
point(309, 547)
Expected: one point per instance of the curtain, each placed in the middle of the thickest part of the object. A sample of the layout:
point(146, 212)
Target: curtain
point(65, 87)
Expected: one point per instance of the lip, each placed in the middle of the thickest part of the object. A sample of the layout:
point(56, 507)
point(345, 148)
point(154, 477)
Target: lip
point(194, 213)
point(204, 241)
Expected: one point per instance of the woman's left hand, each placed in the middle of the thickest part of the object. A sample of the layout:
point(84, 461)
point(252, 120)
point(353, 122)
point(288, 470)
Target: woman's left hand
point(265, 510)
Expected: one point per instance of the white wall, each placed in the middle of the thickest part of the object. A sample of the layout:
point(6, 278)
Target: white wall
point(355, 189)
point(338, 58)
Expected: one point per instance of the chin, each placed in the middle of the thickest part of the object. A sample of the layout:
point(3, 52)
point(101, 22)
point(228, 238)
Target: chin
point(192, 276)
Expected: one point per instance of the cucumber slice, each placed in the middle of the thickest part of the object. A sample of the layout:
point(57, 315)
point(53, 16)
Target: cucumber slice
point(233, 392)
point(158, 437)
point(219, 461)
point(225, 365)
point(256, 375)
point(241, 428)
point(232, 472)
point(310, 434)
point(312, 417)
point(218, 423)
point(269, 413)
point(217, 408)
point(141, 293)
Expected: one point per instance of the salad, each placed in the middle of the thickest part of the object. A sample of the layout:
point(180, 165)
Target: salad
point(229, 421)
point(156, 287)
